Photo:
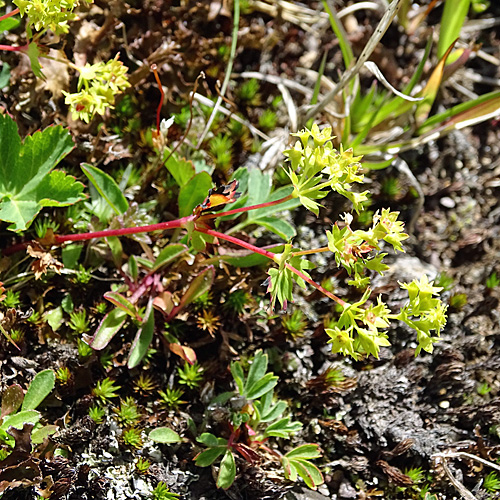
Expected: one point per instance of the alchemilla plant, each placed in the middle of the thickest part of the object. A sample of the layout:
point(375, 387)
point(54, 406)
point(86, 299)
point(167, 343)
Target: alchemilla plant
point(314, 167)
point(98, 84)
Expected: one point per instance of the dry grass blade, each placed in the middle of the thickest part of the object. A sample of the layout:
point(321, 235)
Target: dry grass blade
point(225, 83)
point(374, 69)
point(367, 51)
point(207, 102)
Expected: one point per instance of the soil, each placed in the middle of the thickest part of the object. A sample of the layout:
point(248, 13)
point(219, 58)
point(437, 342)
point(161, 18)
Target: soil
point(388, 415)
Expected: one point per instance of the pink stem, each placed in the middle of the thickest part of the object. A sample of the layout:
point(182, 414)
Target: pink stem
point(246, 209)
point(315, 285)
point(162, 226)
point(270, 255)
point(236, 241)
point(10, 48)
point(10, 14)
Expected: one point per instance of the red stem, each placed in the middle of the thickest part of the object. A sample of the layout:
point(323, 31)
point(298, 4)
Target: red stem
point(10, 48)
point(315, 285)
point(236, 241)
point(58, 240)
point(10, 14)
point(270, 255)
point(162, 96)
point(247, 209)
point(162, 226)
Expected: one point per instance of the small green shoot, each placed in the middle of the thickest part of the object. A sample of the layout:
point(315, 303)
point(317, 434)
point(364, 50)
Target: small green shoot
point(11, 299)
point(144, 384)
point(171, 398)
point(63, 375)
point(493, 281)
point(128, 414)
point(132, 438)
point(190, 375)
point(161, 492)
point(84, 350)
point(491, 483)
point(97, 414)
point(294, 324)
point(106, 389)
point(483, 388)
point(142, 465)
point(79, 322)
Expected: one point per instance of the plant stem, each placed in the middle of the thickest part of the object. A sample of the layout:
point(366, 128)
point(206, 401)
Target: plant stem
point(10, 14)
point(162, 226)
point(270, 255)
point(247, 209)
point(317, 188)
point(324, 291)
point(10, 48)
point(308, 252)
point(236, 241)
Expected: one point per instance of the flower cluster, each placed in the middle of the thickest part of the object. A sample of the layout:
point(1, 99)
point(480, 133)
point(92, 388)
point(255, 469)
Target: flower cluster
point(97, 86)
point(359, 329)
point(317, 167)
point(49, 14)
point(352, 248)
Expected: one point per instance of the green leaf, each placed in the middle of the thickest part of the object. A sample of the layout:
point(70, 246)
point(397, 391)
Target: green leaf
point(260, 387)
point(27, 182)
point(110, 325)
point(123, 303)
point(208, 457)
point(17, 420)
point(54, 318)
point(259, 186)
point(164, 435)
point(238, 375)
point(38, 435)
point(143, 337)
point(283, 428)
point(227, 471)
point(33, 53)
point(115, 245)
point(308, 472)
point(244, 258)
point(278, 226)
point(181, 169)
point(9, 24)
point(70, 255)
point(305, 451)
point(208, 439)
point(5, 75)
point(168, 255)
point(257, 370)
point(201, 284)
point(194, 193)
point(41, 386)
point(289, 469)
point(452, 20)
point(429, 92)
point(107, 188)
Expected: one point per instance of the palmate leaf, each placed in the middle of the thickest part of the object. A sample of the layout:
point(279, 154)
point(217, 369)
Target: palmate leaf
point(27, 180)
point(296, 463)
